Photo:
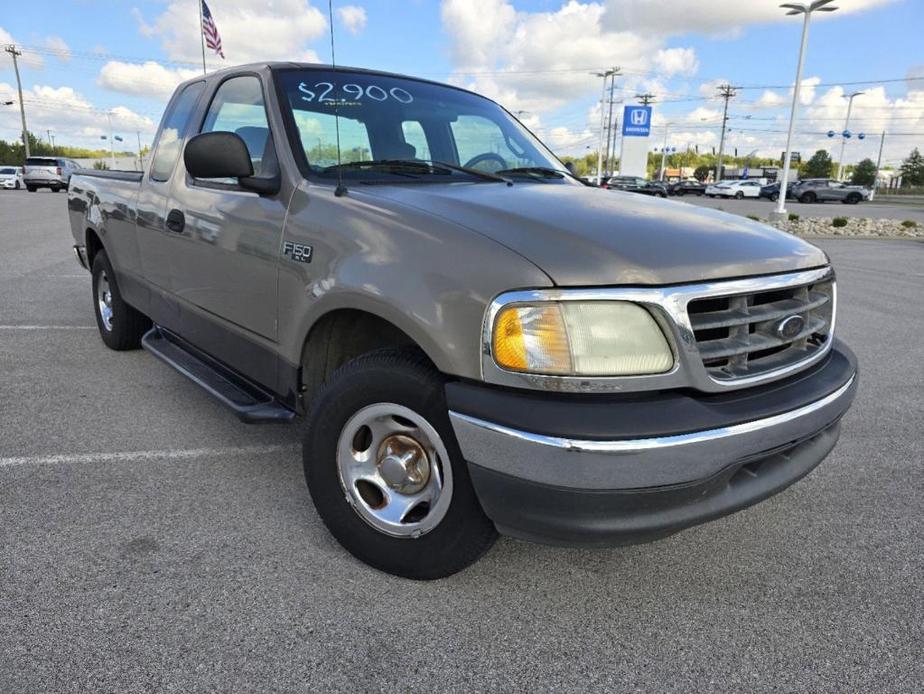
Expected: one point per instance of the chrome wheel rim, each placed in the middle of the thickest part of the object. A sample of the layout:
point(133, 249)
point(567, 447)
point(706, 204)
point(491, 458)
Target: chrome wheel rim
point(104, 300)
point(394, 470)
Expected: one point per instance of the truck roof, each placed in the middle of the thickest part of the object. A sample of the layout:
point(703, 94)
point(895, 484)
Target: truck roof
point(288, 65)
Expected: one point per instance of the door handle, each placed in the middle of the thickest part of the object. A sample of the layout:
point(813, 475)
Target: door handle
point(176, 220)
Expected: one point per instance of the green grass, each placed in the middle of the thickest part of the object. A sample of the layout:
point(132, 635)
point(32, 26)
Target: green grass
point(909, 224)
point(793, 217)
point(754, 217)
point(839, 222)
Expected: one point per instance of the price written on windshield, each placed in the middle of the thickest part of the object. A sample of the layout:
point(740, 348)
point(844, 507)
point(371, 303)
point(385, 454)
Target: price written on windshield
point(326, 92)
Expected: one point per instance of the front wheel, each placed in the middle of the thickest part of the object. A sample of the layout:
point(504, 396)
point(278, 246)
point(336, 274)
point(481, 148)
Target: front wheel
point(385, 471)
point(120, 326)
point(774, 197)
point(739, 195)
point(808, 198)
point(31, 189)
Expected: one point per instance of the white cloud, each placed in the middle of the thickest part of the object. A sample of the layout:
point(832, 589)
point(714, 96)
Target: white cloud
point(676, 61)
point(353, 18)
point(677, 17)
point(249, 32)
point(59, 48)
point(770, 99)
point(72, 117)
point(29, 59)
point(145, 79)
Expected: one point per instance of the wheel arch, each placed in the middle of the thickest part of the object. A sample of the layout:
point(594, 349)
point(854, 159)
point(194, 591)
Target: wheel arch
point(344, 333)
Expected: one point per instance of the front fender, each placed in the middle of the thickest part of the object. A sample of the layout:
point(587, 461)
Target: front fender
point(430, 278)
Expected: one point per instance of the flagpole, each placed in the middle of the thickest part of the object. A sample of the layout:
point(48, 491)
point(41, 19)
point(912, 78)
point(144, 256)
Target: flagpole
point(201, 36)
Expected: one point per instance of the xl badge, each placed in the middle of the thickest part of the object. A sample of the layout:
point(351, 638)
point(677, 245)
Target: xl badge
point(297, 252)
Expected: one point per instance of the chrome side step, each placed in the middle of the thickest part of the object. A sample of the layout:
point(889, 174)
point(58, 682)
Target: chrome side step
point(249, 402)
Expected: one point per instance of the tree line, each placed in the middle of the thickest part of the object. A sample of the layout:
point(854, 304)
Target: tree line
point(820, 165)
point(14, 154)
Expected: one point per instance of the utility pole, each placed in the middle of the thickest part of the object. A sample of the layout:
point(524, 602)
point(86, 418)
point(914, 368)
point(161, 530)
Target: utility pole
point(726, 91)
point(645, 98)
point(140, 159)
point(605, 75)
point(51, 141)
point(610, 135)
point(11, 49)
point(111, 141)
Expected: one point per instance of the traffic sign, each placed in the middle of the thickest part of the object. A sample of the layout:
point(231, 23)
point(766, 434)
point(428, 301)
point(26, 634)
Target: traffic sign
point(636, 121)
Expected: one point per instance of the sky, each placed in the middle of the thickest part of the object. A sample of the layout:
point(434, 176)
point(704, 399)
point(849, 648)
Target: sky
point(86, 61)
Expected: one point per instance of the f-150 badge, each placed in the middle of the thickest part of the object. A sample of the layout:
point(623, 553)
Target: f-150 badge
point(297, 251)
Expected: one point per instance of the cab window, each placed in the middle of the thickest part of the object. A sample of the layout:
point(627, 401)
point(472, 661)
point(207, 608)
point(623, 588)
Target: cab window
point(170, 140)
point(238, 107)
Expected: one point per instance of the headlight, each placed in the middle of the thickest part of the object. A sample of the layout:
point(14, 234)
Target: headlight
point(577, 338)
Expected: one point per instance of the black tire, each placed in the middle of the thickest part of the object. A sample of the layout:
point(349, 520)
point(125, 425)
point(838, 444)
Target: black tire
point(774, 197)
point(18, 186)
point(852, 199)
point(739, 195)
point(31, 189)
point(679, 193)
point(808, 198)
point(55, 189)
point(126, 325)
point(405, 378)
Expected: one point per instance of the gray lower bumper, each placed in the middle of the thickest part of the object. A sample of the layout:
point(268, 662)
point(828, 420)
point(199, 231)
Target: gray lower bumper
point(647, 462)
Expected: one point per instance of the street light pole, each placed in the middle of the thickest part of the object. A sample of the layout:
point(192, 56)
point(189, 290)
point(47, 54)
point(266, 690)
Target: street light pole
point(840, 161)
point(605, 75)
point(806, 10)
point(664, 151)
point(111, 142)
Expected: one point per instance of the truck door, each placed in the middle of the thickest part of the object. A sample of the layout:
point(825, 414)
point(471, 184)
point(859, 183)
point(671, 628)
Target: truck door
point(155, 241)
point(225, 261)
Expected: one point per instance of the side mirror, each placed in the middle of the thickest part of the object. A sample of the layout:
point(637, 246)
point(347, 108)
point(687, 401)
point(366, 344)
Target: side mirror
point(224, 155)
point(217, 155)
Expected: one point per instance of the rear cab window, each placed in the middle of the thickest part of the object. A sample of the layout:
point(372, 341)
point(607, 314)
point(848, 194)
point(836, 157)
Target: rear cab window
point(170, 140)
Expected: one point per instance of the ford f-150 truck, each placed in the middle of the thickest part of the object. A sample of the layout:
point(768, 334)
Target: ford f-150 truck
point(475, 341)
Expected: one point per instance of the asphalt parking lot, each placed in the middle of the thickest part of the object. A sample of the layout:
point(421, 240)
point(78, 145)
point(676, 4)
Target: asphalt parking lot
point(150, 542)
point(762, 208)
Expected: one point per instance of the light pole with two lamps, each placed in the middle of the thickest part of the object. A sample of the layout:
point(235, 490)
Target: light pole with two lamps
point(805, 9)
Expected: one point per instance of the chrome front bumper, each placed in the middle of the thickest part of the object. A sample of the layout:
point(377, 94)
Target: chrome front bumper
point(645, 462)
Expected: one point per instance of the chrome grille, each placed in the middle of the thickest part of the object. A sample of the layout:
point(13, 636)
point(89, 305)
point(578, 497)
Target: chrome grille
point(744, 335)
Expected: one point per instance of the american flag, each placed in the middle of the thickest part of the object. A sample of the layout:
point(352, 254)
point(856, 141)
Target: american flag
point(210, 31)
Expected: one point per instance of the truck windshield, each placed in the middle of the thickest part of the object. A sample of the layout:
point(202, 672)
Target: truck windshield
point(395, 130)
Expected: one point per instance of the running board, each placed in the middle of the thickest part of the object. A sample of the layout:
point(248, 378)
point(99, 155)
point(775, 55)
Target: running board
point(249, 402)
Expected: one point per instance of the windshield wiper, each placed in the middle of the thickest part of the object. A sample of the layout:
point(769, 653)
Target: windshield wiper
point(538, 173)
point(409, 167)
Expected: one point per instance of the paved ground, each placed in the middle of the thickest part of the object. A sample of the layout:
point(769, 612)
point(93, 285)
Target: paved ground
point(150, 542)
point(763, 208)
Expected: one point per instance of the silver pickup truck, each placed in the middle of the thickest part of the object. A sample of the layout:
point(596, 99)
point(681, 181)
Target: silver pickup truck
point(474, 340)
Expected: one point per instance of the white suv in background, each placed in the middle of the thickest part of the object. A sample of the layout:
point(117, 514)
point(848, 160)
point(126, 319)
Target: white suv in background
point(48, 172)
point(11, 177)
point(734, 189)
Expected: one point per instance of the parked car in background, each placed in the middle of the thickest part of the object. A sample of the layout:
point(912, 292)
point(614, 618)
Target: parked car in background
point(636, 184)
point(11, 177)
point(826, 190)
point(734, 189)
point(687, 188)
point(48, 172)
point(772, 190)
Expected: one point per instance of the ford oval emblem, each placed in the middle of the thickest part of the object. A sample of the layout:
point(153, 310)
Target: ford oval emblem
point(790, 326)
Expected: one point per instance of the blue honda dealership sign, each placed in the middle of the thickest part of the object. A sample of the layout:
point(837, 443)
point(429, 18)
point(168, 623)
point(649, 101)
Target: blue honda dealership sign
point(636, 121)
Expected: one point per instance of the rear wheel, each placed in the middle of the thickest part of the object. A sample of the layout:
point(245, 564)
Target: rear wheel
point(739, 195)
point(808, 198)
point(852, 199)
point(774, 197)
point(385, 471)
point(120, 326)
point(31, 189)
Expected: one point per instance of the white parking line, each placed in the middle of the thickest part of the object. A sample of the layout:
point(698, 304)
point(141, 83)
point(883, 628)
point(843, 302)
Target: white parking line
point(47, 327)
point(141, 456)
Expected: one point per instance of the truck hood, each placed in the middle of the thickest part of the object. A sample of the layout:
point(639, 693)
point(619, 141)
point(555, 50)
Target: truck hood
point(582, 236)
